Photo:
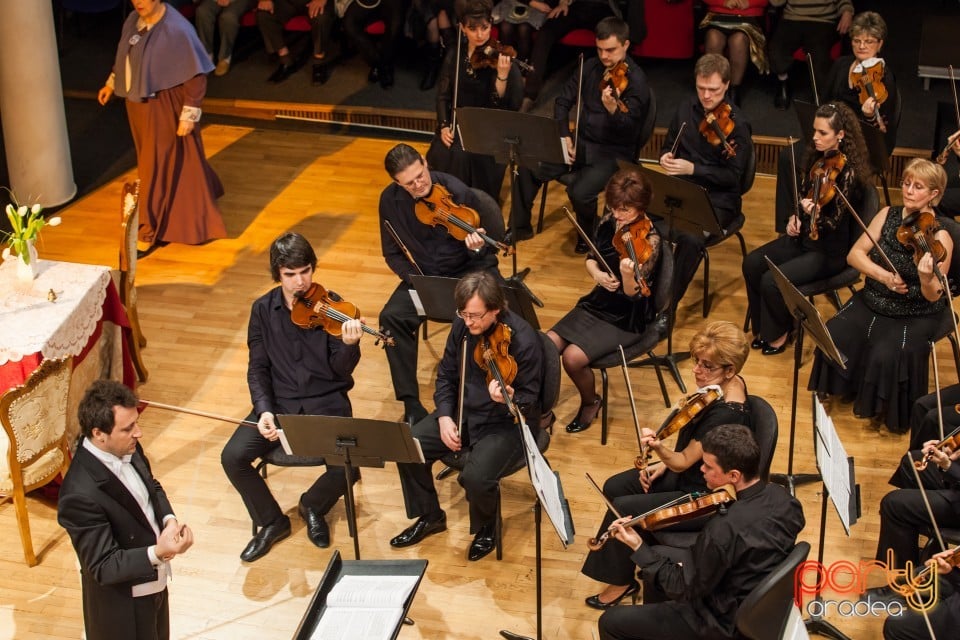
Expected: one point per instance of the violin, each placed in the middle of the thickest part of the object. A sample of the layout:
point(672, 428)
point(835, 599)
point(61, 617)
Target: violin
point(488, 55)
point(319, 308)
point(492, 355)
point(867, 78)
point(631, 242)
point(716, 127)
point(823, 185)
point(918, 231)
point(437, 208)
point(952, 441)
point(684, 413)
point(684, 508)
point(617, 78)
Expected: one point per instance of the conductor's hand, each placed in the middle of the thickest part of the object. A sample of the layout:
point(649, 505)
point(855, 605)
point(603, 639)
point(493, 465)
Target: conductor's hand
point(793, 226)
point(496, 393)
point(104, 94)
point(676, 166)
point(351, 332)
point(473, 241)
point(448, 433)
point(185, 128)
point(446, 136)
point(173, 540)
point(607, 281)
point(626, 535)
point(267, 427)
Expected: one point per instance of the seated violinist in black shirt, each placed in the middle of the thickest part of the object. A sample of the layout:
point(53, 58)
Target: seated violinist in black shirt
point(740, 545)
point(610, 122)
point(292, 370)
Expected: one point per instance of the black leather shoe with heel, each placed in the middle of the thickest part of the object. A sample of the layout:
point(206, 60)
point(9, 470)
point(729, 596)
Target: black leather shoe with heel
point(633, 591)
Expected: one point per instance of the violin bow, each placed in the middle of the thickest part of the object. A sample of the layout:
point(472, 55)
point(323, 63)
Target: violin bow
point(463, 384)
point(676, 141)
point(403, 247)
point(195, 412)
point(456, 83)
point(936, 385)
point(633, 405)
point(859, 220)
point(953, 87)
point(813, 80)
point(792, 142)
point(603, 496)
point(576, 121)
point(589, 242)
point(926, 501)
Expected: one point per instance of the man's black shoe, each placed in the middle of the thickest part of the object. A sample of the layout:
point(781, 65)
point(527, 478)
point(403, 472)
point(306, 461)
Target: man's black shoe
point(419, 530)
point(581, 247)
point(386, 77)
point(374, 75)
point(321, 73)
point(317, 529)
point(268, 536)
point(782, 98)
point(483, 543)
point(283, 72)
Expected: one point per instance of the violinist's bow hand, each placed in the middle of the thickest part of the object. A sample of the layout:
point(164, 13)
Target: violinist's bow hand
point(448, 433)
point(793, 226)
point(267, 427)
point(607, 281)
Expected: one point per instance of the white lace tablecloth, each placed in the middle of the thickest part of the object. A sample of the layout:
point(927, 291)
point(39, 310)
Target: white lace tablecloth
point(30, 322)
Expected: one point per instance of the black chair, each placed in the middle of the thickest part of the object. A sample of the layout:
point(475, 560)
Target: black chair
point(549, 393)
point(879, 148)
point(766, 431)
point(733, 229)
point(278, 458)
point(953, 278)
point(646, 130)
point(655, 332)
point(764, 613)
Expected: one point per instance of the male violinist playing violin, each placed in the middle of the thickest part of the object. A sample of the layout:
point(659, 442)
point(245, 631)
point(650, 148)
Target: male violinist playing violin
point(700, 161)
point(434, 250)
point(488, 431)
point(292, 370)
point(610, 125)
point(740, 545)
point(944, 618)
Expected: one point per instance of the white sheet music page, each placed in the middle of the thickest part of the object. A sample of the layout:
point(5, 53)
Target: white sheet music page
point(364, 607)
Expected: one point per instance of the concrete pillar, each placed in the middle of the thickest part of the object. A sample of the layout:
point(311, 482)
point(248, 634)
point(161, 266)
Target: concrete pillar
point(31, 104)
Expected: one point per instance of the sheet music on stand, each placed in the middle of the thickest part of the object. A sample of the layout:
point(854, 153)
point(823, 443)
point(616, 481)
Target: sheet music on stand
point(835, 466)
point(368, 607)
point(546, 483)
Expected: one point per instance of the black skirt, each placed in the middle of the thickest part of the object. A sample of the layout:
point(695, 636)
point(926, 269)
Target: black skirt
point(594, 336)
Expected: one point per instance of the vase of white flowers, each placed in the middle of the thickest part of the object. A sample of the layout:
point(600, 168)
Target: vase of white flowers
point(25, 225)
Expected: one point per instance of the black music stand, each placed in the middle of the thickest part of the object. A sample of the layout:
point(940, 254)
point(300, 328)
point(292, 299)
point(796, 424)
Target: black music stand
point(879, 155)
point(515, 139)
point(808, 321)
point(435, 295)
point(349, 442)
point(337, 568)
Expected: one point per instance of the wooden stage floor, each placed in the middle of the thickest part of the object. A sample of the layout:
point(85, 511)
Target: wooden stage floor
point(194, 306)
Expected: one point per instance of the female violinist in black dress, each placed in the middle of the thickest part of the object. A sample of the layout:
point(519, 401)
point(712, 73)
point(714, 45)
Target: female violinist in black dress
point(718, 352)
point(484, 80)
point(885, 328)
point(836, 156)
point(615, 312)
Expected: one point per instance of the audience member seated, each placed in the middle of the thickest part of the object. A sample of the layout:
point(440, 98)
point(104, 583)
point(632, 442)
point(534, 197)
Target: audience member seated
point(379, 53)
point(272, 15)
point(813, 25)
point(616, 311)
point(430, 21)
point(805, 255)
point(497, 84)
point(735, 28)
point(517, 21)
point(610, 123)
point(885, 329)
point(226, 14)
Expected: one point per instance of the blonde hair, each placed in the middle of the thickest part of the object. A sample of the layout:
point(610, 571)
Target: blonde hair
point(722, 342)
point(929, 173)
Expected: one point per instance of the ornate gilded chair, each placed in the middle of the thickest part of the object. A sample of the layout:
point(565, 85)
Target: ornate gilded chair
point(126, 282)
point(35, 448)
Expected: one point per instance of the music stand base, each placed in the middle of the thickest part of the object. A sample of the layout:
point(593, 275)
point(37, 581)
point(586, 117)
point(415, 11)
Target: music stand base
point(821, 627)
point(510, 635)
point(793, 480)
point(517, 279)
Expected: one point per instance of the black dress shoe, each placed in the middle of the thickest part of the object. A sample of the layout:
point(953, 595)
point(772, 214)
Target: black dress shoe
point(757, 344)
point(321, 73)
point(374, 75)
point(283, 72)
point(769, 350)
point(419, 530)
point(519, 234)
point(386, 77)
point(781, 99)
point(578, 425)
point(266, 538)
point(581, 247)
point(317, 529)
point(483, 543)
point(594, 601)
